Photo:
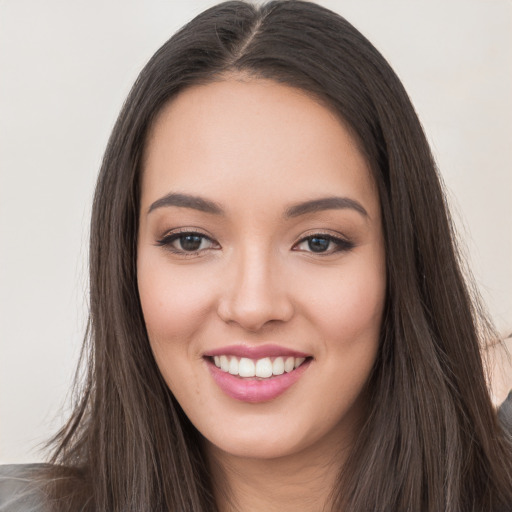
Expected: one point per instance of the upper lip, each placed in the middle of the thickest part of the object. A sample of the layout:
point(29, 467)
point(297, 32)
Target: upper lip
point(255, 352)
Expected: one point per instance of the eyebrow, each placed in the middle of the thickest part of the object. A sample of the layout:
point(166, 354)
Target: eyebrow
point(325, 203)
point(187, 201)
point(303, 208)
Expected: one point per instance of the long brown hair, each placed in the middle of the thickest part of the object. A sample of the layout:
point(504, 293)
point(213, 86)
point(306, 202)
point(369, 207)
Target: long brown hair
point(431, 441)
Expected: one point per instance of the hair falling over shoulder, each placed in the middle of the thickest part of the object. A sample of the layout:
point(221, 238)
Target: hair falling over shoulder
point(431, 441)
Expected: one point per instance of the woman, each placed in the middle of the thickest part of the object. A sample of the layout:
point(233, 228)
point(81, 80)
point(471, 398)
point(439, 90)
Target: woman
point(278, 316)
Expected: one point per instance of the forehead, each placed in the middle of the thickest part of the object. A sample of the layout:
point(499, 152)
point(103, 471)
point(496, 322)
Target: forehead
point(244, 137)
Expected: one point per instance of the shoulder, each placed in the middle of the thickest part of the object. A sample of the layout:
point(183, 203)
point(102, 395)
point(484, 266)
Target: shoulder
point(19, 491)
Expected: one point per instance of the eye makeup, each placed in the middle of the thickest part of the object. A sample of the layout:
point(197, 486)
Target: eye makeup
point(187, 242)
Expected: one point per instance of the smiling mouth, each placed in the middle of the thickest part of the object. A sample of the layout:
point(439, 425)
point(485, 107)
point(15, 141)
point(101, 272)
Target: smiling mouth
point(256, 375)
point(263, 368)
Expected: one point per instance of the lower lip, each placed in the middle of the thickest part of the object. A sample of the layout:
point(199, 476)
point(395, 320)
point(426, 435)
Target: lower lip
point(254, 390)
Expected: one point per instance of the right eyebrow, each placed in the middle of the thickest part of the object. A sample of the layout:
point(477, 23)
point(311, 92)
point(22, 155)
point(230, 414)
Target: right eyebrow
point(187, 201)
point(326, 203)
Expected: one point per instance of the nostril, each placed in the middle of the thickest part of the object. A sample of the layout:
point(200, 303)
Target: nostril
point(252, 316)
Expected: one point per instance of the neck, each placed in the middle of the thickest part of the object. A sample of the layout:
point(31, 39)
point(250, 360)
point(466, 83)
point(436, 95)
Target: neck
point(303, 481)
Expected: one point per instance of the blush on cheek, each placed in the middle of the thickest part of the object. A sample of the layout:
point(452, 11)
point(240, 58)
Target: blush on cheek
point(353, 307)
point(171, 321)
point(170, 304)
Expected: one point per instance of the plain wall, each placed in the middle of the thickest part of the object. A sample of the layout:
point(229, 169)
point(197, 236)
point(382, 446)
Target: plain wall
point(65, 69)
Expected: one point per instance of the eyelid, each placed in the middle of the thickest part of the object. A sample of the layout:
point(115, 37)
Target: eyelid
point(184, 231)
point(342, 242)
point(170, 236)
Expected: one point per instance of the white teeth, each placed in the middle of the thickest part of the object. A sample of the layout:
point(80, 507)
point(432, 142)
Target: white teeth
point(224, 363)
point(233, 366)
point(262, 368)
point(246, 368)
point(278, 366)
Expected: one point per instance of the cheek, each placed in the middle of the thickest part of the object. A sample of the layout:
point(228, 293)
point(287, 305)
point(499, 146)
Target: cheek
point(349, 306)
point(173, 302)
point(348, 317)
point(359, 308)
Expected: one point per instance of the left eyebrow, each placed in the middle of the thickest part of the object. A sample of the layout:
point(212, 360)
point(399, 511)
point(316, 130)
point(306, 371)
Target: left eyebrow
point(187, 201)
point(325, 203)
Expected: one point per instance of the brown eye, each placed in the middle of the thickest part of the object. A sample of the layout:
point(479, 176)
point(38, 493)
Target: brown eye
point(190, 242)
point(187, 242)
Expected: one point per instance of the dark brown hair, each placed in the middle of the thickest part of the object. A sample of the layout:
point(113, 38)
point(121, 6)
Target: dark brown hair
point(431, 441)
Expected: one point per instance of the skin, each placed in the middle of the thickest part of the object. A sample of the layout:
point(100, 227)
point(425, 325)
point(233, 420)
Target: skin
point(255, 147)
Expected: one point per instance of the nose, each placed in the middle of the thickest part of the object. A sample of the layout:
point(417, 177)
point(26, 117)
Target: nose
point(255, 293)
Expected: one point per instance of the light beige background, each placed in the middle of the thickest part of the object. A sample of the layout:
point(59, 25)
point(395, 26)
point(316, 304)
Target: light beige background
point(65, 69)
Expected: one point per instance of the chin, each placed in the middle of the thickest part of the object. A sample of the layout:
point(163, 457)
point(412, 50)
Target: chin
point(256, 446)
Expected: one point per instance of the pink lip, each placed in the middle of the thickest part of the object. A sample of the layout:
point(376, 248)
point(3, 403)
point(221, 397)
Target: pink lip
point(257, 352)
point(255, 390)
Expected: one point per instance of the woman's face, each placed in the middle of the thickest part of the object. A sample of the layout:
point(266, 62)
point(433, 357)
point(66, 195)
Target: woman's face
point(260, 266)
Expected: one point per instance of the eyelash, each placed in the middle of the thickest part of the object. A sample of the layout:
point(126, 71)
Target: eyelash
point(167, 241)
point(341, 244)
